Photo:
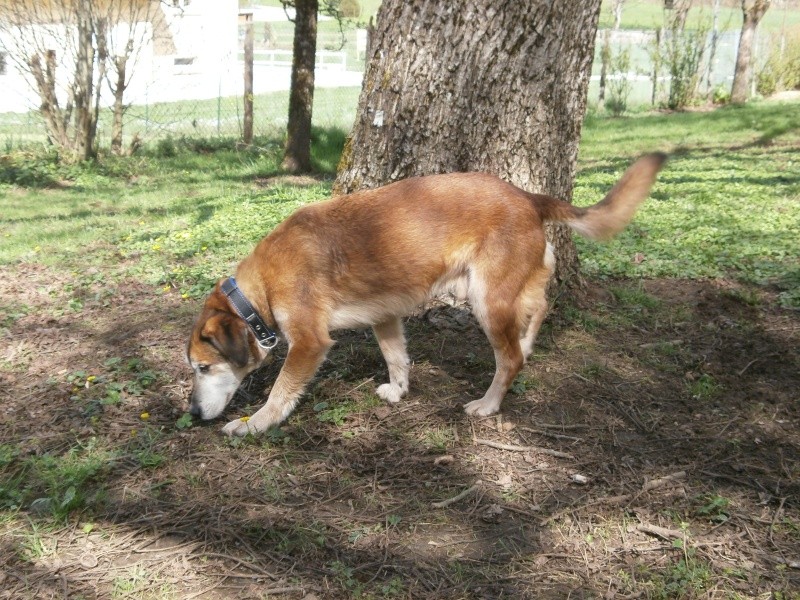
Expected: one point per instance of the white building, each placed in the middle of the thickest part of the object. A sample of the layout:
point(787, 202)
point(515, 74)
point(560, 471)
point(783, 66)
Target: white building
point(186, 50)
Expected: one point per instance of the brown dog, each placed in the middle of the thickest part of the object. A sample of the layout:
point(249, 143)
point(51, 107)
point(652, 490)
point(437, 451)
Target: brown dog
point(371, 257)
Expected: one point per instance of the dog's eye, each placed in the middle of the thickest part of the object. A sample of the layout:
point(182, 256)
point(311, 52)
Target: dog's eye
point(203, 368)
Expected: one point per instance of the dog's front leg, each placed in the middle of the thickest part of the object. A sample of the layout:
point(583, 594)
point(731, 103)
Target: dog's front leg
point(302, 361)
point(393, 346)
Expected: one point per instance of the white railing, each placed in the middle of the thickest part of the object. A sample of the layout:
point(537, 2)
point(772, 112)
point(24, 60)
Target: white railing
point(283, 58)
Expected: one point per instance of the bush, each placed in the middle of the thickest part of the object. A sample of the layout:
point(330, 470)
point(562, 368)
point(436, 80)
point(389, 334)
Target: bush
point(30, 169)
point(683, 57)
point(619, 87)
point(721, 95)
point(350, 9)
point(782, 69)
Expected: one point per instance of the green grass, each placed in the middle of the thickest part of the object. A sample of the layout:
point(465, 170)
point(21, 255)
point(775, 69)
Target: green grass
point(649, 14)
point(725, 206)
point(184, 212)
point(53, 483)
point(189, 214)
point(333, 108)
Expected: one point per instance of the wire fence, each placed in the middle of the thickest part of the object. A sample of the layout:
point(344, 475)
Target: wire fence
point(187, 98)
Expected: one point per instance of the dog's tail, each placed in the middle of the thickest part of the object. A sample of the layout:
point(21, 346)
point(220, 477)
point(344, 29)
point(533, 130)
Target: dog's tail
point(608, 217)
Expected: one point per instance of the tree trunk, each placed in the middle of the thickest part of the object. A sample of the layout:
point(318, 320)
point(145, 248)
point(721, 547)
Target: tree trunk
point(120, 63)
point(712, 52)
point(605, 59)
point(82, 91)
point(247, 126)
point(301, 97)
point(616, 9)
point(752, 12)
point(45, 80)
point(476, 85)
point(605, 52)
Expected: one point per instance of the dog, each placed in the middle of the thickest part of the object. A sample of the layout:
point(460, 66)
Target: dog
point(369, 258)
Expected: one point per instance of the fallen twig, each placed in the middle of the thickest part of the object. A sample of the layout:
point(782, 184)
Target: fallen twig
point(456, 498)
point(747, 366)
point(656, 483)
point(661, 532)
point(563, 427)
point(664, 343)
point(552, 434)
point(514, 448)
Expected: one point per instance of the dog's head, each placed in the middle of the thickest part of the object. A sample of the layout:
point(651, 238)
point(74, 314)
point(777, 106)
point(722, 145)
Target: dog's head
point(222, 351)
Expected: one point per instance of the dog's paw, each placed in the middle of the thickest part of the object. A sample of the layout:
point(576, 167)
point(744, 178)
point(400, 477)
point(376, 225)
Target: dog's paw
point(390, 393)
point(481, 408)
point(239, 428)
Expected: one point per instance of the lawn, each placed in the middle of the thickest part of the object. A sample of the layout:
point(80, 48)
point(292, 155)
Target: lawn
point(651, 446)
point(649, 14)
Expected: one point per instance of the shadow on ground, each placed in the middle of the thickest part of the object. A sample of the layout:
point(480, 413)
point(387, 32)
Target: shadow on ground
point(650, 449)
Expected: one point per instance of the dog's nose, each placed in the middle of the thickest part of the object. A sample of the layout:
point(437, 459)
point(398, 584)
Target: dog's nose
point(194, 408)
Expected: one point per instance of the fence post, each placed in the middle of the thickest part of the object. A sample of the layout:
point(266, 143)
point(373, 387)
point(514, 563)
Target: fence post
point(219, 106)
point(247, 130)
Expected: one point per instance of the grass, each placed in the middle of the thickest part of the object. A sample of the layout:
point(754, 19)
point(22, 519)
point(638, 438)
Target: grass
point(649, 14)
point(726, 166)
point(333, 108)
point(181, 214)
point(180, 219)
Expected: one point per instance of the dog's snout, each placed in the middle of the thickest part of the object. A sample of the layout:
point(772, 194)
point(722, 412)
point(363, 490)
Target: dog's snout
point(194, 407)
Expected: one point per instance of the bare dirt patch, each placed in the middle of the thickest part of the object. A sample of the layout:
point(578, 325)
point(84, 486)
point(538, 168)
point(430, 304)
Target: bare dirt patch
point(650, 449)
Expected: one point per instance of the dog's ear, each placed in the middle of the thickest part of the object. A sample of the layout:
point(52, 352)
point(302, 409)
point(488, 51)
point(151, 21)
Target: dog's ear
point(228, 334)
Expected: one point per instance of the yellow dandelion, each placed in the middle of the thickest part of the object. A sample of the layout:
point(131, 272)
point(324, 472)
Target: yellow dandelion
point(75, 389)
point(165, 288)
point(245, 419)
point(184, 296)
point(204, 248)
point(91, 378)
point(144, 416)
point(37, 248)
point(134, 433)
point(141, 222)
point(156, 247)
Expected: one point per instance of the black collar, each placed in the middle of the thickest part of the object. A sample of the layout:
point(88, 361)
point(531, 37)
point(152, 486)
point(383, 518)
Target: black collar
point(265, 337)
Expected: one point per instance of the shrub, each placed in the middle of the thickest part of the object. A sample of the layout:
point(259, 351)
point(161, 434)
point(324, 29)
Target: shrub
point(350, 9)
point(782, 69)
point(721, 95)
point(30, 168)
point(683, 56)
point(619, 86)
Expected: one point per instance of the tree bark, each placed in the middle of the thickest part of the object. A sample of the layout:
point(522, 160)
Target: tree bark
point(712, 52)
point(119, 106)
point(82, 90)
point(752, 13)
point(247, 126)
point(616, 9)
point(301, 97)
point(476, 85)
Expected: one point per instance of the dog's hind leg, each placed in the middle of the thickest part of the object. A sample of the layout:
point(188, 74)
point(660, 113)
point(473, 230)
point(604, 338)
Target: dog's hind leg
point(306, 353)
point(499, 320)
point(534, 301)
point(529, 337)
point(393, 346)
